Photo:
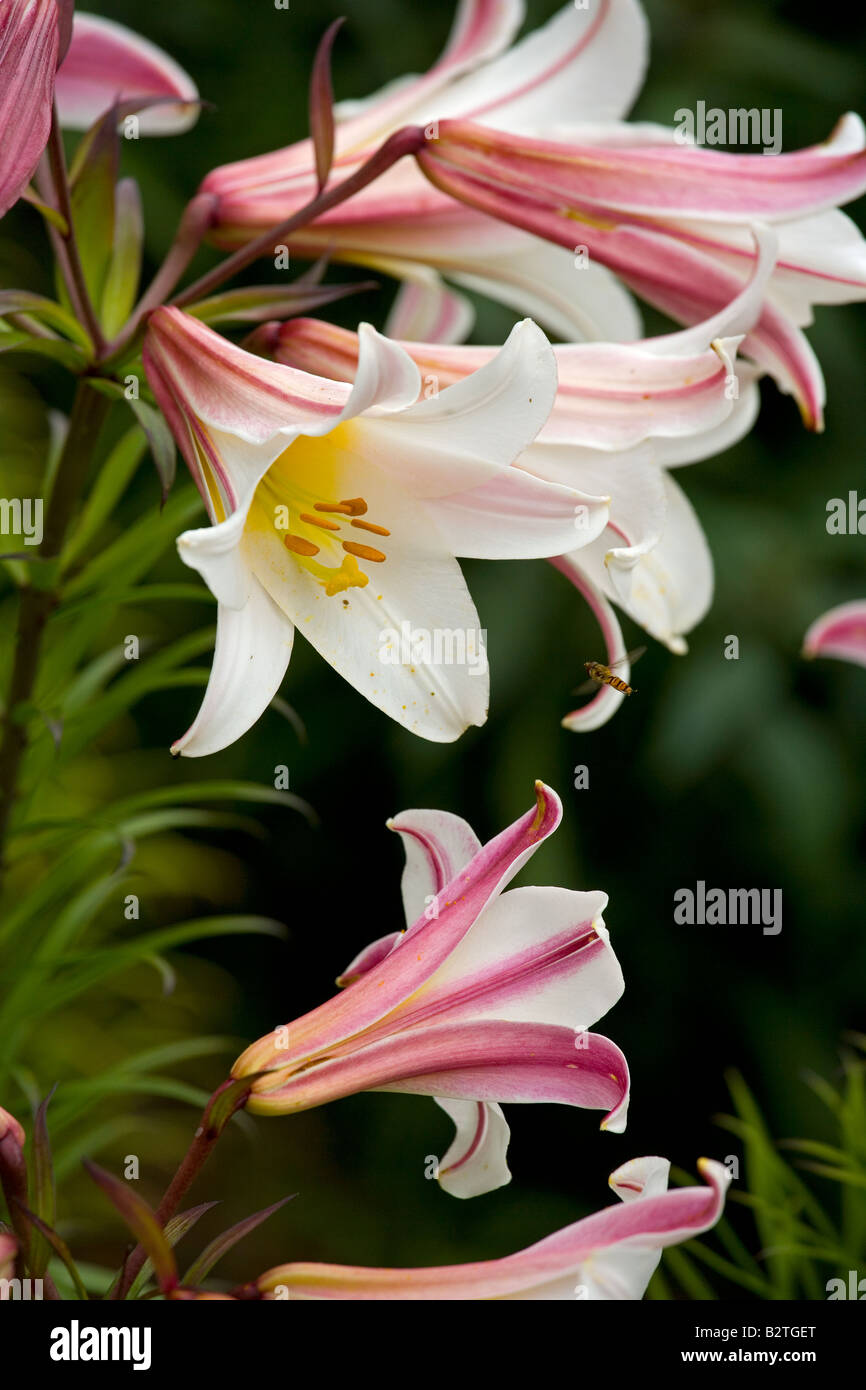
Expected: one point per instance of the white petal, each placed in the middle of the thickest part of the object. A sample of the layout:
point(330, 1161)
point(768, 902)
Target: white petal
point(410, 639)
point(476, 1162)
point(667, 590)
point(438, 846)
point(492, 964)
point(585, 63)
point(516, 516)
point(459, 438)
point(253, 646)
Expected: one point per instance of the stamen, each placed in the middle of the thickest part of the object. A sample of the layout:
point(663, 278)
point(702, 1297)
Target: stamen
point(322, 521)
point(364, 552)
point(334, 507)
point(300, 546)
point(357, 506)
point(371, 526)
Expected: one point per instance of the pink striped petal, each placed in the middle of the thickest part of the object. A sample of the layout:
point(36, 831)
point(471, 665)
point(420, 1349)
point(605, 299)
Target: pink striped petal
point(28, 58)
point(368, 959)
point(426, 311)
point(490, 1061)
point(606, 701)
point(107, 63)
point(423, 948)
point(476, 1161)
point(656, 180)
point(438, 846)
point(609, 1255)
point(840, 633)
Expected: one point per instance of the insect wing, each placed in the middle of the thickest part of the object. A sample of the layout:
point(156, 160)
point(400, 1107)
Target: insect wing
point(629, 659)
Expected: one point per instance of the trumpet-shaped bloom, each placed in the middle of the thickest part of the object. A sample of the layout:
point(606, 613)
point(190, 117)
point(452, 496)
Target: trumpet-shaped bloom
point(340, 509)
point(673, 221)
point(28, 58)
point(486, 998)
point(585, 65)
point(623, 415)
point(611, 1255)
point(108, 63)
point(840, 633)
point(545, 222)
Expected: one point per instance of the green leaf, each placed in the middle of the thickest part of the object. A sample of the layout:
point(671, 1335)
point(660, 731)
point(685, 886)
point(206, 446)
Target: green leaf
point(202, 1266)
point(161, 441)
point(174, 1232)
point(43, 1188)
point(259, 303)
point(46, 310)
point(141, 1221)
point(67, 354)
point(121, 283)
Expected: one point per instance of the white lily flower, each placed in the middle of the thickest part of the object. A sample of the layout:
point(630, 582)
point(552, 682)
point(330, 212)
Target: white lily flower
point(339, 509)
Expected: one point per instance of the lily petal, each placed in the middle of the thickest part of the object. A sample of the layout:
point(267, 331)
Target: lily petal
point(107, 63)
point(28, 58)
point(476, 1162)
point(606, 701)
point(491, 1060)
point(840, 633)
point(253, 646)
point(438, 846)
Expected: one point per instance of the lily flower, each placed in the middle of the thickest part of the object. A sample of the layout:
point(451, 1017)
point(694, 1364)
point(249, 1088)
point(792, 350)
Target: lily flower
point(103, 64)
point(624, 415)
point(587, 64)
point(609, 1256)
point(340, 510)
point(673, 221)
point(543, 223)
point(486, 998)
point(839, 633)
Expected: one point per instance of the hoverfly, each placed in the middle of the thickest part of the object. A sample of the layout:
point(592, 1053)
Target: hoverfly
point(599, 674)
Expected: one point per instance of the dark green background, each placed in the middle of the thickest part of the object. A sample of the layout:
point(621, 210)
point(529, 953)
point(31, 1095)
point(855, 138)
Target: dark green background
point(744, 773)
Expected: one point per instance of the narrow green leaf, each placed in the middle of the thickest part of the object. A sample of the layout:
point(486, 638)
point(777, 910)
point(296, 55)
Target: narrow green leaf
point(141, 1220)
point(202, 1266)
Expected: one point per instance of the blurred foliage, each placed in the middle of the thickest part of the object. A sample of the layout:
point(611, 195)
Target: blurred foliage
point(745, 772)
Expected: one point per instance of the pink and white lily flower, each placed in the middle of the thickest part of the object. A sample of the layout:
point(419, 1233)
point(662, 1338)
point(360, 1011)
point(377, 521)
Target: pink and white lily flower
point(609, 1256)
point(840, 633)
point(671, 221)
point(104, 63)
point(486, 998)
point(624, 415)
point(339, 509)
point(586, 64)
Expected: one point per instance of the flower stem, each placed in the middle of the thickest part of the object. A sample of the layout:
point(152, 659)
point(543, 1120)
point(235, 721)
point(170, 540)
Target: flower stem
point(231, 1096)
point(401, 143)
point(70, 260)
point(39, 597)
